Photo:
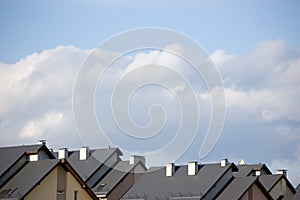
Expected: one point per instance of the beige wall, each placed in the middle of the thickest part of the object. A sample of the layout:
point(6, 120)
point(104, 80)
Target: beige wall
point(46, 190)
point(254, 193)
point(72, 185)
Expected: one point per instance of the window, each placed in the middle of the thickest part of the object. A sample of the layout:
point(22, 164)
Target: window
point(75, 195)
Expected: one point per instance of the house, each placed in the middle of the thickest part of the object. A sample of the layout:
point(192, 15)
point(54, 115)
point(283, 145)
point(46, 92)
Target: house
point(277, 186)
point(192, 181)
point(245, 188)
point(118, 181)
point(15, 157)
point(46, 179)
point(92, 165)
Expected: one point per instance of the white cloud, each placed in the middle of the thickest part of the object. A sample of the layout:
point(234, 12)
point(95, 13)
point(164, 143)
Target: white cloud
point(262, 90)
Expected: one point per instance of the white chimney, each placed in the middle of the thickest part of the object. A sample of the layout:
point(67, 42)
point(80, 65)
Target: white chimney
point(192, 168)
point(282, 171)
point(257, 172)
point(224, 162)
point(170, 169)
point(134, 159)
point(84, 153)
point(63, 153)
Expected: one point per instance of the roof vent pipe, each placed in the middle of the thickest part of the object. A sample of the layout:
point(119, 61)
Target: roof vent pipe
point(241, 162)
point(41, 142)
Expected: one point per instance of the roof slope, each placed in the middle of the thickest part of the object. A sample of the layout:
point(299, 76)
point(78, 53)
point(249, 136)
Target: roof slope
point(269, 181)
point(114, 177)
point(86, 168)
point(24, 181)
point(154, 183)
point(9, 155)
point(238, 187)
point(245, 170)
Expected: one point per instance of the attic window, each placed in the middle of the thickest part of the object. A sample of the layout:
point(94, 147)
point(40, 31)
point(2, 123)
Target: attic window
point(7, 192)
point(34, 157)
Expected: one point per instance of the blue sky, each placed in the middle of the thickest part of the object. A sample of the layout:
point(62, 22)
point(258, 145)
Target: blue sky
point(254, 44)
point(32, 26)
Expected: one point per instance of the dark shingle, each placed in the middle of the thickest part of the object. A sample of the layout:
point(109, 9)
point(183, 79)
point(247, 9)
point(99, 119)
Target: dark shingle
point(246, 170)
point(237, 188)
point(86, 168)
point(269, 181)
point(27, 178)
point(114, 177)
point(9, 155)
point(154, 183)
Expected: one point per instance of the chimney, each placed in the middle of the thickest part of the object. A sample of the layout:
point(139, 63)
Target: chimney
point(282, 171)
point(224, 162)
point(134, 159)
point(192, 168)
point(170, 169)
point(63, 153)
point(257, 172)
point(84, 153)
point(41, 142)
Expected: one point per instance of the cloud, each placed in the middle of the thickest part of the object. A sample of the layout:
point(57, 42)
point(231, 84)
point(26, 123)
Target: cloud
point(36, 95)
point(262, 91)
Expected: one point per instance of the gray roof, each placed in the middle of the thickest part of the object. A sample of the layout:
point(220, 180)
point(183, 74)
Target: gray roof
point(9, 155)
point(86, 168)
point(269, 181)
point(246, 170)
point(114, 177)
point(27, 178)
point(154, 183)
point(238, 187)
point(296, 196)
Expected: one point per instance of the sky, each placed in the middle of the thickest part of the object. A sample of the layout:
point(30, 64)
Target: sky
point(255, 45)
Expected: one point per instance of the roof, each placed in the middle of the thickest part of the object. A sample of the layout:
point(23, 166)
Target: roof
point(296, 196)
point(246, 170)
point(114, 177)
point(27, 178)
point(269, 181)
point(10, 155)
point(237, 188)
point(86, 168)
point(154, 183)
